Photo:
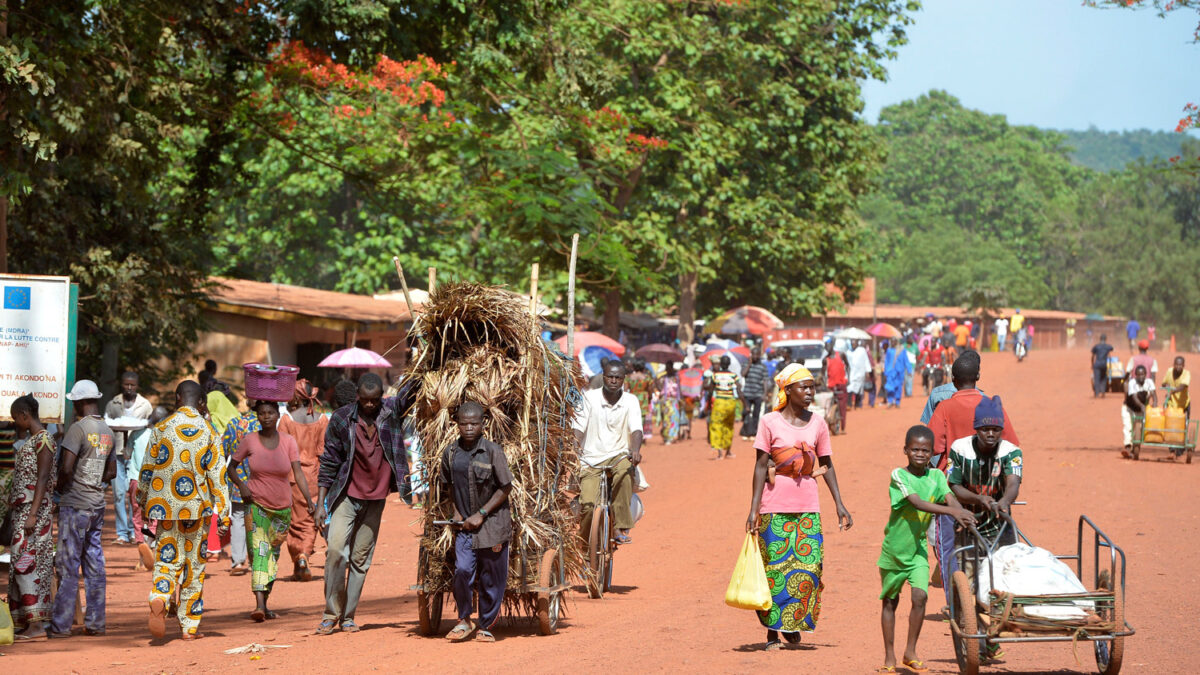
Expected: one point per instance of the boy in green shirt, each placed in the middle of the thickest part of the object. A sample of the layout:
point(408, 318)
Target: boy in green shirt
point(916, 494)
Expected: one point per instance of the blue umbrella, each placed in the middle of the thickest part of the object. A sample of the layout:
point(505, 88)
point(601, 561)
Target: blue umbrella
point(590, 358)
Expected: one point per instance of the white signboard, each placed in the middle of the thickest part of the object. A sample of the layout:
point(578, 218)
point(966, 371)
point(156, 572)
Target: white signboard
point(34, 312)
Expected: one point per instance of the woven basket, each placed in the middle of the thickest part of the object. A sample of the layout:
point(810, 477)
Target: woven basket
point(270, 383)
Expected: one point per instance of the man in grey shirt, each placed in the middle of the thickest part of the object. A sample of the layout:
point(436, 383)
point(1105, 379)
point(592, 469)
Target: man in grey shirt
point(85, 468)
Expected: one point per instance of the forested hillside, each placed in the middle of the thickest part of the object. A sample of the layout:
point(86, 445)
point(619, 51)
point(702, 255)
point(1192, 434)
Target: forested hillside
point(1113, 150)
point(969, 205)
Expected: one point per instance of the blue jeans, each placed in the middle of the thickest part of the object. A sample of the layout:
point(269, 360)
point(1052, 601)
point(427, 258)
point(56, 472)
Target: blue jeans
point(120, 488)
point(908, 382)
point(1000, 339)
point(79, 546)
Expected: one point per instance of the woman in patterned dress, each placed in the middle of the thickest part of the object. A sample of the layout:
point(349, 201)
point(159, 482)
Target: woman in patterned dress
point(670, 405)
point(641, 385)
point(273, 458)
point(793, 450)
point(32, 557)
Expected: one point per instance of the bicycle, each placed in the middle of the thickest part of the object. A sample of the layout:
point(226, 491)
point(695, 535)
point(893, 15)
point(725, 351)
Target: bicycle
point(602, 538)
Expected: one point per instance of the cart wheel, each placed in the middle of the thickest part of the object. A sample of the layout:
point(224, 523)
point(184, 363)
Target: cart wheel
point(549, 603)
point(1137, 452)
point(966, 650)
point(1188, 460)
point(598, 553)
point(429, 613)
point(1110, 652)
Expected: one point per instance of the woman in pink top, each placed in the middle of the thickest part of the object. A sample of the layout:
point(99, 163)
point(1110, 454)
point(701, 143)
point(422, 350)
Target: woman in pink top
point(273, 459)
point(793, 444)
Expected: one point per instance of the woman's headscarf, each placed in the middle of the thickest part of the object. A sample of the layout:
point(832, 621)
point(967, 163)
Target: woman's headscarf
point(307, 395)
point(788, 376)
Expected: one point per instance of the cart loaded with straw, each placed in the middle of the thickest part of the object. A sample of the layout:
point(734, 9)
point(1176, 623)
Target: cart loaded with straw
point(483, 344)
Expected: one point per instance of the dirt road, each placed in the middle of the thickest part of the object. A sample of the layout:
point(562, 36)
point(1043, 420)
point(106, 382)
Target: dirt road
point(667, 612)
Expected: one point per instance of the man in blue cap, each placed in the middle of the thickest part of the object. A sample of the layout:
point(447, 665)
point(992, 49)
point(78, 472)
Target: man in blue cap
point(985, 470)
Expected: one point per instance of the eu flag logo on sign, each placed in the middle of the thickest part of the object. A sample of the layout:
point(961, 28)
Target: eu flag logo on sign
point(16, 297)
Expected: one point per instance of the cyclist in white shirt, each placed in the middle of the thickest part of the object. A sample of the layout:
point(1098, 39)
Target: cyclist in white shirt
point(608, 428)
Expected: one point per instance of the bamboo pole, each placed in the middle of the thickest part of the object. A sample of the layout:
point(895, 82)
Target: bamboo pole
point(571, 296)
point(432, 279)
point(533, 284)
point(404, 287)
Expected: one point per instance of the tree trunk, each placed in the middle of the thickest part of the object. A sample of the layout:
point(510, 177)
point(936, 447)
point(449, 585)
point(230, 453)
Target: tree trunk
point(612, 313)
point(109, 357)
point(687, 309)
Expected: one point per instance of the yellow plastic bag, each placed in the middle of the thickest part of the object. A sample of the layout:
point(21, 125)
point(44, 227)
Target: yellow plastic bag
point(6, 625)
point(748, 587)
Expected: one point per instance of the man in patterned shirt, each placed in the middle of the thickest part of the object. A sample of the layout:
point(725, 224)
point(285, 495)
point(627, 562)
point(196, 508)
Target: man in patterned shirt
point(985, 472)
point(182, 483)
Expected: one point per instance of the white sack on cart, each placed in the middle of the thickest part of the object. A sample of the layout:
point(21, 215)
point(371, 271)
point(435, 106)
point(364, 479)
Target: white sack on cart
point(1028, 570)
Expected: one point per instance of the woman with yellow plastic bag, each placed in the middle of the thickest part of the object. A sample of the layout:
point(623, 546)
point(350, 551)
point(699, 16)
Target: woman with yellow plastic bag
point(792, 445)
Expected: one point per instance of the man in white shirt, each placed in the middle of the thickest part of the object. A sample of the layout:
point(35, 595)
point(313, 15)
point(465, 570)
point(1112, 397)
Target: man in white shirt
point(1139, 393)
point(608, 428)
point(1001, 332)
point(130, 404)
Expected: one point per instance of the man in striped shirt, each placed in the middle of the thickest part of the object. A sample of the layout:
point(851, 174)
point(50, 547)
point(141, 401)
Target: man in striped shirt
point(985, 472)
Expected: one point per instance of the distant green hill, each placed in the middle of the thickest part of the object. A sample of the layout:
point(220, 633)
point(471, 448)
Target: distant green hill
point(1110, 150)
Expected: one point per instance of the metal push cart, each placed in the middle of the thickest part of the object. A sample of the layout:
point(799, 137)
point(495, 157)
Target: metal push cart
point(1185, 446)
point(976, 623)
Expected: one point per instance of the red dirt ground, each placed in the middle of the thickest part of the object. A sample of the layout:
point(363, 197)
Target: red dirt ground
point(667, 612)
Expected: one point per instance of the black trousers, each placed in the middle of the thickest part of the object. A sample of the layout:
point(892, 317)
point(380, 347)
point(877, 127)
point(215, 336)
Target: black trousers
point(750, 417)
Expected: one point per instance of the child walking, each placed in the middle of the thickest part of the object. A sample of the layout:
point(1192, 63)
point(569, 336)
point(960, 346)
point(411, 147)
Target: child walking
point(916, 493)
point(476, 472)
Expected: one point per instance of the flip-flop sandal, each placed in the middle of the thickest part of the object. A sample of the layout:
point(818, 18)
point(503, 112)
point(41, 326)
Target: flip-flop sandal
point(623, 539)
point(916, 665)
point(461, 632)
point(258, 615)
point(158, 618)
point(146, 555)
point(326, 627)
point(348, 626)
point(886, 669)
point(188, 637)
point(773, 646)
point(484, 636)
point(271, 615)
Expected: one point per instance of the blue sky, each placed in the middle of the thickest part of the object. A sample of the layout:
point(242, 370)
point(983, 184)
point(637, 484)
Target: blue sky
point(1049, 63)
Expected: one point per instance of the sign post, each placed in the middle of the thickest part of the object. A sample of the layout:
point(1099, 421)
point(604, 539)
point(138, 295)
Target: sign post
point(37, 342)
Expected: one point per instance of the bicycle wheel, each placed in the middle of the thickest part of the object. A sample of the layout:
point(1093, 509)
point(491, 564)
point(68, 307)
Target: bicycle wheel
point(598, 539)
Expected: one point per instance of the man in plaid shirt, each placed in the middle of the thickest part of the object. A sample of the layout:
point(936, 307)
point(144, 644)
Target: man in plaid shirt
point(364, 460)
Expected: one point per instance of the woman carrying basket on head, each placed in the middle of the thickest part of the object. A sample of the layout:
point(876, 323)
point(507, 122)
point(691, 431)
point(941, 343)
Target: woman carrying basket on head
point(793, 449)
point(273, 457)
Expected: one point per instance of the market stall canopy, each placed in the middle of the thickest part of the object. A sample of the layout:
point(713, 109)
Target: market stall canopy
point(884, 330)
point(591, 359)
point(659, 353)
point(744, 319)
point(589, 338)
point(740, 355)
point(854, 334)
point(355, 357)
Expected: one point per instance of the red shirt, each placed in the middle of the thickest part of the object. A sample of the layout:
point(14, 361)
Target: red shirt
point(837, 371)
point(936, 356)
point(954, 418)
point(370, 474)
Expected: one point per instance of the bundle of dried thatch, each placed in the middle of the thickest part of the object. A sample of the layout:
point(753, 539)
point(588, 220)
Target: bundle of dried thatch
point(482, 344)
